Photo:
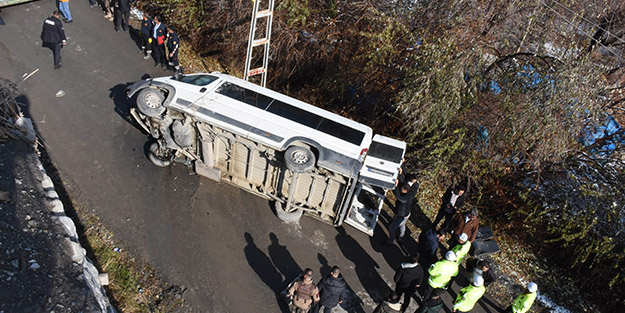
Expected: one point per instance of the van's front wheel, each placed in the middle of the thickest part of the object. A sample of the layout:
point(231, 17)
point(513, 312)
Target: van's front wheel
point(299, 159)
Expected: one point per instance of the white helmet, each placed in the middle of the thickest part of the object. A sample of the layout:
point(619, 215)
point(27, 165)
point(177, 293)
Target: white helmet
point(532, 287)
point(450, 256)
point(478, 280)
point(463, 237)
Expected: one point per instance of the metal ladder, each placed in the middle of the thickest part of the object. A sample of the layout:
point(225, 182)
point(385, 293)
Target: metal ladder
point(252, 43)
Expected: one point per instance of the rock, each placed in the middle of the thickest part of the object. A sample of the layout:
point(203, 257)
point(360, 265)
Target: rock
point(15, 263)
point(5, 196)
point(34, 266)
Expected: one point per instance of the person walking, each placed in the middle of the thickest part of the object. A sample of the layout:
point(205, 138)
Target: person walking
point(404, 196)
point(304, 293)
point(452, 201)
point(122, 14)
point(408, 278)
point(146, 39)
point(158, 42)
point(172, 47)
point(332, 290)
point(390, 305)
point(461, 249)
point(468, 296)
point(432, 304)
point(64, 7)
point(467, 223)
point(524, 301)
point(442, 273)
point(53, 36)
point(430, 241)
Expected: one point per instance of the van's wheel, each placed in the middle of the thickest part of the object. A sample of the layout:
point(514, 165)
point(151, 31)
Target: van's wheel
point(299, 159)
point(150, 102)
point(287, 217)
point(159, 156)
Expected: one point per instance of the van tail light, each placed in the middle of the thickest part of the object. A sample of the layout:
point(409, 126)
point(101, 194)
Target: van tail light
point(363, 153)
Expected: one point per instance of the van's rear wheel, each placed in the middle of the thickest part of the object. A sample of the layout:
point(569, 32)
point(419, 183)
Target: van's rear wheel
point(299, 159)
point(150, 102)
point(159, 156)
point(287, 217)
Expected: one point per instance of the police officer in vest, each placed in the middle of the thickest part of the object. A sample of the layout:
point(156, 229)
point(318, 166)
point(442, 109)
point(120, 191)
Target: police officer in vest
point(524, 301)
point(468, 296)
point(441, 273)
point(53, 36)
point(172, 47)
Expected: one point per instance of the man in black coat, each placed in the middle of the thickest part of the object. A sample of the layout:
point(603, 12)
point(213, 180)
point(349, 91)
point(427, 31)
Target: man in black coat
point(453, 200)
point(408, 278)
point(122, 14)
point(146, 44)
point(158, 42)
point(53, 36)
point(332, 290)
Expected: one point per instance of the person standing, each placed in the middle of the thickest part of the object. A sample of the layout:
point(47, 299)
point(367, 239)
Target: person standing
point(332, 290)
point(146, 42)
point(524, 301)
point(172, 47)
point(461, 249)
point(64, 7)
point(122, 12)
point(453, 200)
point(430, 241)
point(442, 273)
point(53, 36)
point(477, 267)
point(304, 293)
point(408, 278)
point(433, 304)
point(158, 42)
point(390, 305)
point(404, 195)
point(468, 296)
point(108, 9)
point(467, 223)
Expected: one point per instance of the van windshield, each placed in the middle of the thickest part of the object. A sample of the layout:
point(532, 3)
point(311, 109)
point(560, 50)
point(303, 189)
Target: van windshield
point(198, 80)
point(386, 152)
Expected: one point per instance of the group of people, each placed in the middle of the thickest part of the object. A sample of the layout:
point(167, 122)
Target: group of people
point(463, 227)
point(323, 297)
point(157, 40)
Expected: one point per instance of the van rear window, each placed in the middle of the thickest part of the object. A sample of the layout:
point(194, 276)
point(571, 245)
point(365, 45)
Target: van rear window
point(292, 113)
point(385, 152)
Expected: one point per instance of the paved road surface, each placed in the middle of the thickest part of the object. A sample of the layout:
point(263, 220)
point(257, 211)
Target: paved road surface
point(223, 244)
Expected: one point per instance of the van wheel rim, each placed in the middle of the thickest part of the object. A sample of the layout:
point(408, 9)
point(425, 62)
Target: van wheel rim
point(299, 157)
point(152, 100)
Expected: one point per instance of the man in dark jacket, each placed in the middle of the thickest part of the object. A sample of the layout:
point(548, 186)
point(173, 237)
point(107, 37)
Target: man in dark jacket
point(453, 200)
point(332, 290)
point(172, 47)
point(408, 278)
point(404, 194)
point(477, 267)
point(53, 36)
point(122, 14)
point(158, 42)
point(430, 241)
point(433, 304)
point(390, 305)
point(146, 43)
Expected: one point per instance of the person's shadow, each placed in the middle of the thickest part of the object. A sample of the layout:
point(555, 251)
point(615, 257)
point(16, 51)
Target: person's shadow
point(283, 260)
point(264, 268)
point(364, 264)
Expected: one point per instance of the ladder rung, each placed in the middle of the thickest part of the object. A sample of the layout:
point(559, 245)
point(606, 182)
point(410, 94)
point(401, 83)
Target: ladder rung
point(263, 13)
point(256, 71)
point(259, 42)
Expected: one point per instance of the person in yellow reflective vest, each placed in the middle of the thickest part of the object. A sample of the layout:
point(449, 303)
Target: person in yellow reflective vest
point(462, 248)
point(441, 273)
point(524, 301)
point(468, 296)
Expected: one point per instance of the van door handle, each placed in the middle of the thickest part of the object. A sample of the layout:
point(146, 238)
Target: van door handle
point(203, 89)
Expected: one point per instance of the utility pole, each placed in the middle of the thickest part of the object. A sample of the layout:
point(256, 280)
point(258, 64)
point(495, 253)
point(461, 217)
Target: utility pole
point(263, 42)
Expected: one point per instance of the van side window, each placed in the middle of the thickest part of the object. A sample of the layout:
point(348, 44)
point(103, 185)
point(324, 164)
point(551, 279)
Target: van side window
point(244, 95)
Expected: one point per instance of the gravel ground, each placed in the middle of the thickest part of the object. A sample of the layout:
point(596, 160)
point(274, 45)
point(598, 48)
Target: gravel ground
point(36, 269)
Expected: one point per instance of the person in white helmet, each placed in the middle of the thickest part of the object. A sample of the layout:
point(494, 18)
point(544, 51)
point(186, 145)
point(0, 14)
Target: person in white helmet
point(524, 301)
point(468, 296)
point(442, 273)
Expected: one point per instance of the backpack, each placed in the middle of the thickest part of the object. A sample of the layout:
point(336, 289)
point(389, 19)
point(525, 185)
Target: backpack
point(304, 294)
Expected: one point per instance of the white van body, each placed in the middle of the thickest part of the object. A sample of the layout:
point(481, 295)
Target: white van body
point(260, 140)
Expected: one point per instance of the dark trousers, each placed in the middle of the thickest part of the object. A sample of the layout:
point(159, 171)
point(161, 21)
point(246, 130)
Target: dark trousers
point(119, 15)
point(447, 216)
point(174, 59)
point(407, 293)
point(145, 44)
point(159, 52)
point(56, 51)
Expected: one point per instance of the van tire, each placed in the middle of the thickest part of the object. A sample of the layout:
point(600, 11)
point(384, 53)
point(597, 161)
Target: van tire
point(150, 102)
point(299, 159)
point(287, 217)
point(159, 157)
